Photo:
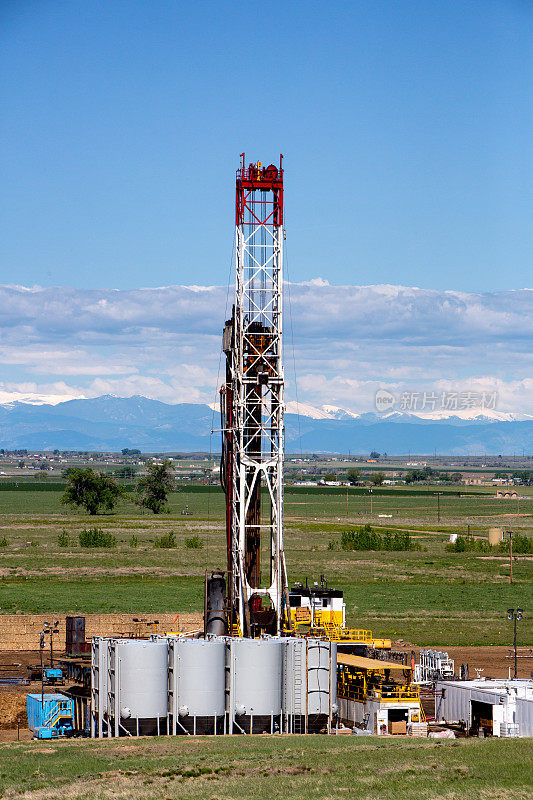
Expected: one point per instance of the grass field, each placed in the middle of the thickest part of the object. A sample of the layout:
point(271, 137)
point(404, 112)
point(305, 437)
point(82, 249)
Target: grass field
point(284, 767)
point(427, 596)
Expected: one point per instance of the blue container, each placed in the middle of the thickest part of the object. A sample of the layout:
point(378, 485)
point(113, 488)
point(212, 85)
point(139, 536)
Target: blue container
point(51, 712)
point(53, 675)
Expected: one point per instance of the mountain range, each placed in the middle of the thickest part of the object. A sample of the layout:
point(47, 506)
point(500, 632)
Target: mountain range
point(111, 423)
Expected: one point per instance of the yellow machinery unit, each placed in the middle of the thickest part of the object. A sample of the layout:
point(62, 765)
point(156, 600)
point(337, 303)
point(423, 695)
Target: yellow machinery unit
point(317, 605)
point(379, 696)
point(320, 610)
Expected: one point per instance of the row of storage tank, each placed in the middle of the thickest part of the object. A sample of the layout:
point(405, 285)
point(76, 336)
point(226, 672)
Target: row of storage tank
point(178, 685)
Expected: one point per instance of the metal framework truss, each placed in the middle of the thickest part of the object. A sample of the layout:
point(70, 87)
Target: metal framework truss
point(252, 404)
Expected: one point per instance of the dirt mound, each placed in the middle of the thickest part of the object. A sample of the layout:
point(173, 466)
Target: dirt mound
point(12, 709)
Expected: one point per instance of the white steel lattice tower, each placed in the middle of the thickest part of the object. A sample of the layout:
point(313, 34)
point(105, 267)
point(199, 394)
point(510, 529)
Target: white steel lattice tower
point(252, 407)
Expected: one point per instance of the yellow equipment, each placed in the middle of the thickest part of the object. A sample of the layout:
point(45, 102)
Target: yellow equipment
point(380, 691)
point(321, 611)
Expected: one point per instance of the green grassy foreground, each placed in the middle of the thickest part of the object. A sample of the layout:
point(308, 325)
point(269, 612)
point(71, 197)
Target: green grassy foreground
point(427, 596)
point(231, 768)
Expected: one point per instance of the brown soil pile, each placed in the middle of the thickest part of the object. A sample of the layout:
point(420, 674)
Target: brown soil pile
point(13, 708)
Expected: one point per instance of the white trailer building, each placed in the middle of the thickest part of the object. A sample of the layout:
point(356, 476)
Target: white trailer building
point(500, 707)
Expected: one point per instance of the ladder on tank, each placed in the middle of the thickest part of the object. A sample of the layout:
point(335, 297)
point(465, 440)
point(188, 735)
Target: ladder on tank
point(298, 720)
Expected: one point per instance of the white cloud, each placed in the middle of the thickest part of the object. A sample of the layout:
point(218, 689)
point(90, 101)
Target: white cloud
point(348, 341)
point(37, 394)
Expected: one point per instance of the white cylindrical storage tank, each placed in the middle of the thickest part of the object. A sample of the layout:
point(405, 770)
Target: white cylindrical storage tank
point(197, 684)
point(309, 684)
point(139, 686)
point(321, 682)
point(333, 679)
point(99, 685)
point(254, 684)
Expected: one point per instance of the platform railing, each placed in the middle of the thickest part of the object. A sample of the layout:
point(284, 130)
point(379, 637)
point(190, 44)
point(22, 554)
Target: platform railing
point(339, 634)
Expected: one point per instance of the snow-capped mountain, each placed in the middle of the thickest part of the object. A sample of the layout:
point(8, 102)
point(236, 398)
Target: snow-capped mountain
point(302, 409)
point(335, 412)
point(467, 414)
point(111, 423)
point(318, 412)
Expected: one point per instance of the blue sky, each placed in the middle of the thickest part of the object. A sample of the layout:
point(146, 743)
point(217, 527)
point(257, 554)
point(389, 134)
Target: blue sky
point(407, 129)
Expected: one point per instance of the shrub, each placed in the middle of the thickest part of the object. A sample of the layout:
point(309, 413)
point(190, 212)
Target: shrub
point(521, 544)
point(63, 539)
point(194, 543)
point(331, 545)
point(3, 542)
point(465, 545)
point(95, 537)
point(134, 542)
point(168, 540)
point(365, 538)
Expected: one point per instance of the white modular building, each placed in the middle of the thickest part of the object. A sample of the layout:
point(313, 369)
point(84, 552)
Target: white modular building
point(500, 707)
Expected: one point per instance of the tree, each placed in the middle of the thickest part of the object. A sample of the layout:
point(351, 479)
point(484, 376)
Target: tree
point(377, 478)
point(153, 488)
point(21, 464)
point(419, 475)
point(374, 454)
point(354, 476)
point(523, 476)
point(91, 490)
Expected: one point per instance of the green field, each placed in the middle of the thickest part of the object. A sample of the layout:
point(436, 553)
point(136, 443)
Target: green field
point(263, 766)
point(427, 596)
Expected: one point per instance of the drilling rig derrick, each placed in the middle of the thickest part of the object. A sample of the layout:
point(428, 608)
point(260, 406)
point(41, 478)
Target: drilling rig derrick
point(252, 410)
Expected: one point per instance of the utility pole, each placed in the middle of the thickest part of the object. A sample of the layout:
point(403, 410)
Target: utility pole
point(41, 648)
point(51, 628)
point(511, 553)
point(515, 615)
point(515, 650)
point(438, 506)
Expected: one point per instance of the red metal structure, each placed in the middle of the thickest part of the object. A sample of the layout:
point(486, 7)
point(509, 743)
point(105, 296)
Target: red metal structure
point(252, 408)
